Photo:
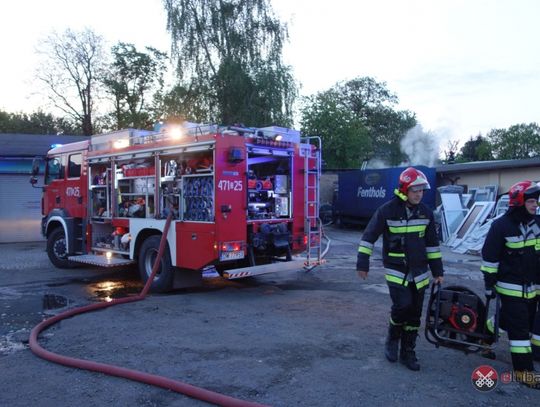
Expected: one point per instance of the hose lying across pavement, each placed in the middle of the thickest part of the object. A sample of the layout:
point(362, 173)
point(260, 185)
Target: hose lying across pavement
point(154, 380)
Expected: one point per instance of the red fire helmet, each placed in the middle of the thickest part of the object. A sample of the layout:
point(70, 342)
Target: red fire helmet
point(522, 191)
point(412, 178)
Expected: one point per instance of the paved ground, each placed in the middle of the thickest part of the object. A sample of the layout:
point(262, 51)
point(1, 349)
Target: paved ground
point(292, 339)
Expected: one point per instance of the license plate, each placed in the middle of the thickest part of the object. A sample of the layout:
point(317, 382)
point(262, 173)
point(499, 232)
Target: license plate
point(231, 255)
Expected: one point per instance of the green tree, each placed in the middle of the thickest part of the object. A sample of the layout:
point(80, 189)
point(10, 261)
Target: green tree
point(370, 103)
point(374, 104)
point(134, 81)
point(182, 102)
point(345, 141)
point(36, 123)
point(518, 141)
point(72, 63)
point(475, 149)
point(365, 96)
point(387, 128)
point(230, 53)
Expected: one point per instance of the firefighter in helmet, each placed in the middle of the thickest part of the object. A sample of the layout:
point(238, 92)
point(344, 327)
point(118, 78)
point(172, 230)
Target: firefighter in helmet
point(510, 264)
point(410, 244)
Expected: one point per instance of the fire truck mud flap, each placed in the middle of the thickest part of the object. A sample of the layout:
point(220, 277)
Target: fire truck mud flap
point(263, 269)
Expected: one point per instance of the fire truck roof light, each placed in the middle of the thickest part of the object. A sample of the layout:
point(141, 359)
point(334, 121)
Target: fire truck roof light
point(56, 145)
point(176, 132)
point(122, 143)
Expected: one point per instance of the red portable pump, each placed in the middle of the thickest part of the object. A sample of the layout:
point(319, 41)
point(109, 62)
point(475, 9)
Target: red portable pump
point(456, 318)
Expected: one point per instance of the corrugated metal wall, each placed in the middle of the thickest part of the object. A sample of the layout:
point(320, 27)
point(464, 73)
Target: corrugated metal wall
point(20, 209)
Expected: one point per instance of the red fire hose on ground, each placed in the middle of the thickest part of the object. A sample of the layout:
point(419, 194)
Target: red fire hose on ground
point(154, 380)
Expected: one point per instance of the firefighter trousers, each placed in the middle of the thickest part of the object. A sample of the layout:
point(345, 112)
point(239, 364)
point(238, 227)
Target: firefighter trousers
point(535, 333)
point(407, 302)
point(517, 317)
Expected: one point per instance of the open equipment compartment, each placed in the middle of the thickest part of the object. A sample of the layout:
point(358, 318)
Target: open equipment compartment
point(269, 183)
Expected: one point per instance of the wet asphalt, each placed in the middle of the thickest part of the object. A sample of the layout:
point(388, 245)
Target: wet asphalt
point(302, 339)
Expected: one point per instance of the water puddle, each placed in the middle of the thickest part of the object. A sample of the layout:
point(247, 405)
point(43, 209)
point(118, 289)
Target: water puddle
point(109, 290)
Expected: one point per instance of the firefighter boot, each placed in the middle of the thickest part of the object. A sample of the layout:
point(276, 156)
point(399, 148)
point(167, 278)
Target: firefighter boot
point(407, 356)
point(392, 342)
point(524, 370)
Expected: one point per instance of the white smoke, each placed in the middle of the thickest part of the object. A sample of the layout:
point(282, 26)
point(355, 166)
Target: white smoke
point(421, 148)
point(376, 164)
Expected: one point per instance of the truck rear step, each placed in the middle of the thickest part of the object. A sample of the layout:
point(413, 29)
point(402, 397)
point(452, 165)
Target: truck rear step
point(100, 260)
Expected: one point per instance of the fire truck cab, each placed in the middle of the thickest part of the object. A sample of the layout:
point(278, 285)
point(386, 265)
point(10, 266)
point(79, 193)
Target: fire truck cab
point(243, 201)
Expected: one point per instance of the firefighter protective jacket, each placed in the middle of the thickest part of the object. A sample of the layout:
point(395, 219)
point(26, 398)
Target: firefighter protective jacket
point(510, 257)
point(409, 245)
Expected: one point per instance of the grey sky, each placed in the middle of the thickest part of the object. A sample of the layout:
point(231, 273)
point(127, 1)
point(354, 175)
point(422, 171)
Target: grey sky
point(463, 67)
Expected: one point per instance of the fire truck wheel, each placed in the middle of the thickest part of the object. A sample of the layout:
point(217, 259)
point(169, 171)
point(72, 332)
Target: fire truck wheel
point(56, 249)
point(147, 256)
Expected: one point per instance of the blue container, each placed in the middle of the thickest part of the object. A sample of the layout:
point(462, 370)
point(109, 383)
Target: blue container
point(361, 192)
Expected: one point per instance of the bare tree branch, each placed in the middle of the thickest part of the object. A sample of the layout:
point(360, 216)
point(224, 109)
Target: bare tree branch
point(71, 63)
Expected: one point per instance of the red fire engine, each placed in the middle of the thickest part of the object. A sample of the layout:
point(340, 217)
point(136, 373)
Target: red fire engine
point(244, 201)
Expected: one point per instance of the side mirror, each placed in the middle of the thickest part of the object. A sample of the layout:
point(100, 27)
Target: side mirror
point(35, 166)
point(35, 171)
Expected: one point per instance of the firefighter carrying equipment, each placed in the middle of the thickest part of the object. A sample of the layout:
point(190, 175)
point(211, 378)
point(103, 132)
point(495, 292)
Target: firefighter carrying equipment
point(457, 318)
point(410, 244)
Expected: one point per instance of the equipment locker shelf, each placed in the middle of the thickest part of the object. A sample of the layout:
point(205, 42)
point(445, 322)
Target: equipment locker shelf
point(136, 196)
point(100, 192)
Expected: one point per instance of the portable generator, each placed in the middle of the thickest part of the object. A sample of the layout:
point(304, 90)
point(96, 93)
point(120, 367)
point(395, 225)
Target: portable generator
point(456, 318)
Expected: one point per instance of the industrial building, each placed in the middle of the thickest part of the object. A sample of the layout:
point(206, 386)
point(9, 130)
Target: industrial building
point(501, 173)
point(20, 203)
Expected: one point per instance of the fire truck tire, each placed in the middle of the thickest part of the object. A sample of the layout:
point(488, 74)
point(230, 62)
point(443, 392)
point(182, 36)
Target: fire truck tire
point(56, 249)
point(163, 280)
